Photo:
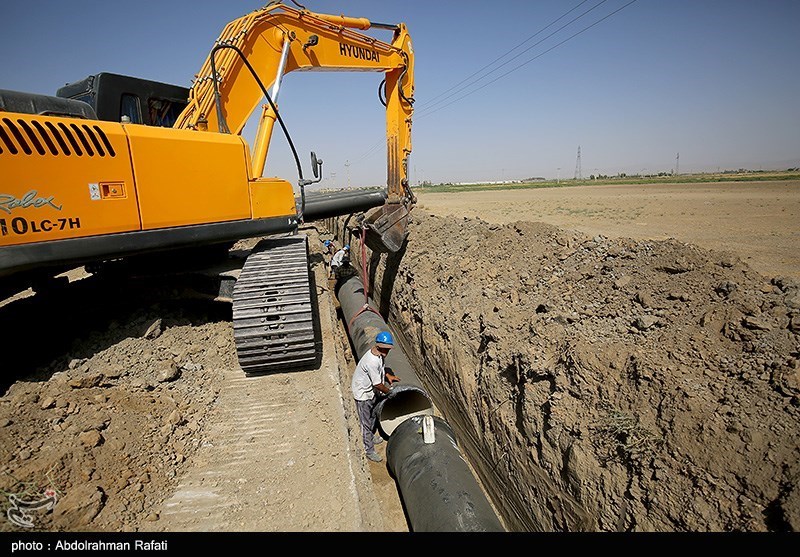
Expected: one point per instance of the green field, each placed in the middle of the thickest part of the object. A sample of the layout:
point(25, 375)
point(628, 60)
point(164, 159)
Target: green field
point(739, 176)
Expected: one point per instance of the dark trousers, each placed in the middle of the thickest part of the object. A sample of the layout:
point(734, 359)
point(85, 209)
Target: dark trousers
point(367, 419)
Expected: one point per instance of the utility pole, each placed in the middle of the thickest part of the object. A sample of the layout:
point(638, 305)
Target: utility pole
point(677, 164)
point(578, 173)
point(347, 166)
point(558, 178)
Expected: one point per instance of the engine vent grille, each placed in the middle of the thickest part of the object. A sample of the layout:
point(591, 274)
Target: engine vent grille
point(59, 139)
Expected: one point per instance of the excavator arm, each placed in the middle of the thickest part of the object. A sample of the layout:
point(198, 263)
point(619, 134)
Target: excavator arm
point(279, 39)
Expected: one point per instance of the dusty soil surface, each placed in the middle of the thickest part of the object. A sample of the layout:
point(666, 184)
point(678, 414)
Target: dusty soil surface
point(130, 409)
point(595, 382)
point(756, 220)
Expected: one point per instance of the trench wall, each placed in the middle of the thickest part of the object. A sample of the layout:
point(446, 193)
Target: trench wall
point(450, 363)
point(601, 384)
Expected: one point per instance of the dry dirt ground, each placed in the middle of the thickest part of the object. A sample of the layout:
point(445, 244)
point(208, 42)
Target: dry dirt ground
point(615, 380)
point(756, 220)
point(132, 409)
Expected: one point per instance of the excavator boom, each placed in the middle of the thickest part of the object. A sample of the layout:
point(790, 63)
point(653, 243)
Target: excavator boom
point(284, 39)
point(118, 188)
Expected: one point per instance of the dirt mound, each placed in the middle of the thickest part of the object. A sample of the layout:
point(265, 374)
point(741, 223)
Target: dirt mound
point(106, 426)
point(606, 384)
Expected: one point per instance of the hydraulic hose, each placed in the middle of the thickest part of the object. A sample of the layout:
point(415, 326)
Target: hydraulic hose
point(223, 125)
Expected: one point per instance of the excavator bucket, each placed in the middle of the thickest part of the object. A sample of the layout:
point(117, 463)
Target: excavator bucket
point(387, 227)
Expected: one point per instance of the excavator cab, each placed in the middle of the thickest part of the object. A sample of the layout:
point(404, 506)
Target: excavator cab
point(115, 97)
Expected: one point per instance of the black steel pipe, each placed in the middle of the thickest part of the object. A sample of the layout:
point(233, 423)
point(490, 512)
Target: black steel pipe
point(436, 485)
point(364, 322)
point(439, 491)
point(323, 206)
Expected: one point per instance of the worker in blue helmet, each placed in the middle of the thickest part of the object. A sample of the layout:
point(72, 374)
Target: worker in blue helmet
point(329, 247)
point(340, 260)
point(372, 379)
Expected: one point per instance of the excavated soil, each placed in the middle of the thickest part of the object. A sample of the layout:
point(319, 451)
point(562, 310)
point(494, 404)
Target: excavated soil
point(641, 374)
point(596, 383)
point(607, 384)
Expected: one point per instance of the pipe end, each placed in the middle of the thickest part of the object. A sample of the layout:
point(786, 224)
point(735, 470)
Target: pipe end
point(402, 403)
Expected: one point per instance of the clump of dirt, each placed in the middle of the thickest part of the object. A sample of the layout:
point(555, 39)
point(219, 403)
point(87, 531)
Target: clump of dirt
point(610, 385)
point(95, 438)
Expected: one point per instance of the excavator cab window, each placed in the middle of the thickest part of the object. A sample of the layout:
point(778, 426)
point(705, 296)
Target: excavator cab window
point(129, 106)
point(164, 112)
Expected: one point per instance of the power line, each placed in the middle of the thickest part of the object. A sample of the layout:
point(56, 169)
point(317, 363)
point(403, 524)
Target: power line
point(527, 62)
point(524, 51)
point(431, 110)
point(369, 151)
point(431, 100)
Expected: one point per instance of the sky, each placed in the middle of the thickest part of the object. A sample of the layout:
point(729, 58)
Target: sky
point(504, 90)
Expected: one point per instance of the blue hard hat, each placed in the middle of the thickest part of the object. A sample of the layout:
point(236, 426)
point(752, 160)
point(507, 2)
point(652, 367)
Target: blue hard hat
point(384, 337)
point(347, 247)
point(327, 243)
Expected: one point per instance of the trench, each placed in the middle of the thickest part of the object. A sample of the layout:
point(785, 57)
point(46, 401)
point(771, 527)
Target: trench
point(437, 485)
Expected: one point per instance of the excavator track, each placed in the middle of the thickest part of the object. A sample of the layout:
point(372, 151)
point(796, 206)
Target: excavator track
point(274, 324)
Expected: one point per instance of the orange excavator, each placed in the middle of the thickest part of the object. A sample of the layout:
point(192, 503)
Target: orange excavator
point(115, 168)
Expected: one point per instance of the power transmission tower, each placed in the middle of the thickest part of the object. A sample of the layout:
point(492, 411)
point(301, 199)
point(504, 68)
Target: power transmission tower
point(578, 174)
point(677, 164)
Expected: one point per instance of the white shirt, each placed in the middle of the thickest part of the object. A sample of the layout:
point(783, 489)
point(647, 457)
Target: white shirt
point(338, 258)
point(369, 371)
